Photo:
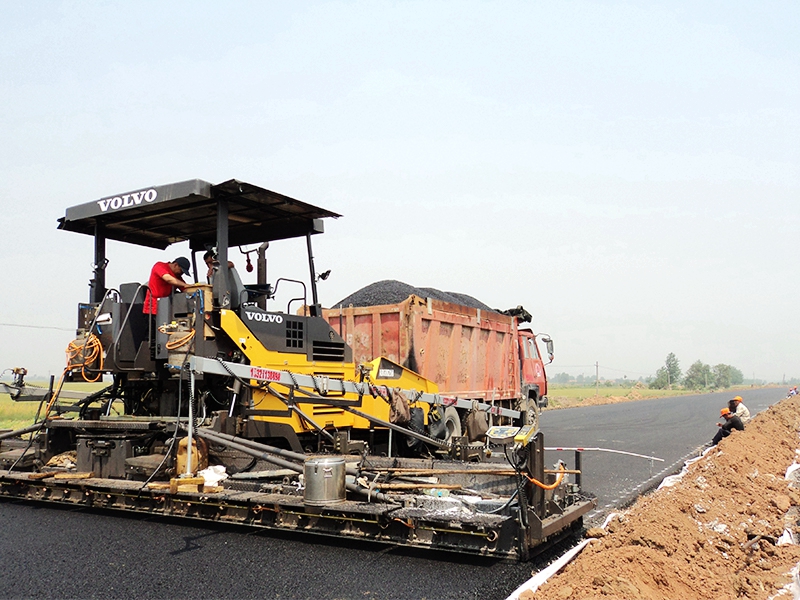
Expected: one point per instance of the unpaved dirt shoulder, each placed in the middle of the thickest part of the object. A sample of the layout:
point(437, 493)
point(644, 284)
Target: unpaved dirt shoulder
point(559, 402)
point(690, 541)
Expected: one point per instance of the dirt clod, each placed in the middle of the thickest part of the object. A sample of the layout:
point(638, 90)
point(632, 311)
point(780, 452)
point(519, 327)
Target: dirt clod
point(596, 532)
point(781, 502)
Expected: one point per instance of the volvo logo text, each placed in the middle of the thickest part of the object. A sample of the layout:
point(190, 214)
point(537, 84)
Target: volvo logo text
point(264, 318)
point(127, 200)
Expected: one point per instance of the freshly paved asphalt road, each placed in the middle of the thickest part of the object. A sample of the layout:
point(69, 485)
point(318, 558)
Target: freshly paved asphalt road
point(60, 553)
point(50, 552)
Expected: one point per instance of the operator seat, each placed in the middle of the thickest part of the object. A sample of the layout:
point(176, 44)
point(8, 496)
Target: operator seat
point(236, 286)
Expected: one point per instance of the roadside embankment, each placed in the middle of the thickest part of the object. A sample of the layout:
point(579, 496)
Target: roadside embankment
point(572, 397)
point(720, 531)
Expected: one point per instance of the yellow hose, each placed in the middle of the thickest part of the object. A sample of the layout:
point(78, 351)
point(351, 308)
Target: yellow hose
point(57, 391)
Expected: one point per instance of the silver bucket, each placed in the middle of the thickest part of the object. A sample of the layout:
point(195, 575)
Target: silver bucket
point(325, 480)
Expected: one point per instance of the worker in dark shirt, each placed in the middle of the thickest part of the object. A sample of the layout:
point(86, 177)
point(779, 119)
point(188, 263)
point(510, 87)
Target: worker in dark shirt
point(731, 422)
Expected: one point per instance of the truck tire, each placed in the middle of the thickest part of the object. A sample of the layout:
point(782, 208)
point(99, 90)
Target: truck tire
point(529, 407)
point(532, 413)
point(452, 423)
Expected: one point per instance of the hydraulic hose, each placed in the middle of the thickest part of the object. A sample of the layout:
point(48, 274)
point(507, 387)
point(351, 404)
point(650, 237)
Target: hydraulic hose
point(18, 432)
point(255, 445)
point(286, 464)
point(273, 450)
point(552, 486)
point(89, 351)
point(54, 396)
point(236, 445)
point(174, 345)
point(91, 344)
point(40, 425)
point(302, 415)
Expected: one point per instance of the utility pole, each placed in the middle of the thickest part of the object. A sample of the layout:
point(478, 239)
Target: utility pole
point(597, 378)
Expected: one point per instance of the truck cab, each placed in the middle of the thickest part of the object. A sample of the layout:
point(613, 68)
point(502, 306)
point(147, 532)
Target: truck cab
point(533, 378)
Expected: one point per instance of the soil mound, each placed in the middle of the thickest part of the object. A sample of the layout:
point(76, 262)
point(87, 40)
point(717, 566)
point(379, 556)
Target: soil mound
point(712, 535)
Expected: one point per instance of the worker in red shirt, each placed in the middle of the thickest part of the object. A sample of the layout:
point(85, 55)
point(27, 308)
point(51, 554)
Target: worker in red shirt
point(163, 278)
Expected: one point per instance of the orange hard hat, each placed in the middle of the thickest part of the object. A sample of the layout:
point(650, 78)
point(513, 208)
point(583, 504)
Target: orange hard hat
point(724, 411)
point(737, 398)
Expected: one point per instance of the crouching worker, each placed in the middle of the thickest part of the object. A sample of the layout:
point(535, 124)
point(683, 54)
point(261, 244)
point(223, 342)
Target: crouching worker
point(731, 422)
point(737, 407)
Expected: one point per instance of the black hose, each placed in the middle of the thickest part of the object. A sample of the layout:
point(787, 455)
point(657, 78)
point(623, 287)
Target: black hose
point(19, 432)
point(173, 446)
point(506, 505)
point(286, 464)
point(298, 456)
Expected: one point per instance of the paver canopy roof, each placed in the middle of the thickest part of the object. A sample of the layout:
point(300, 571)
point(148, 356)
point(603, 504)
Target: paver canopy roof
point(158, 216)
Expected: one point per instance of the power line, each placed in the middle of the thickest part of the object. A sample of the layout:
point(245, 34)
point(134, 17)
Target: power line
point(602, 367)
point(35, 326)
point(624, 371)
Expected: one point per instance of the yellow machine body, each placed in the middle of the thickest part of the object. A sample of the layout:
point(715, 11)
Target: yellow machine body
point(327, 416)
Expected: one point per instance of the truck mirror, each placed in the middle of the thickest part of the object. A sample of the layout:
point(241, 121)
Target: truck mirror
point(549, 343)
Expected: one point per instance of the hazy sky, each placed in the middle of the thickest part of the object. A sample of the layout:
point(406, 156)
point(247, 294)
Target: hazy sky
point(627, 171)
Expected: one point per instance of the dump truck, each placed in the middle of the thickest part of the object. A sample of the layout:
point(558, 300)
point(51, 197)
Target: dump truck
point(468, 350)
point(218, 403)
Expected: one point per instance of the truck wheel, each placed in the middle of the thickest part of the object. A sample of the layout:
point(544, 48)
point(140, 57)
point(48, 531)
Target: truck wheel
point(532, 413)
point(452, 423)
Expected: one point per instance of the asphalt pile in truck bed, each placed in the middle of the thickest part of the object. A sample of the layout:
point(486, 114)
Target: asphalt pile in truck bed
point(714, 534)
point(391, 291)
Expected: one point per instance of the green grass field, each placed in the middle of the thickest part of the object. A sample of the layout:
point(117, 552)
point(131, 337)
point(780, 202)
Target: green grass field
point(16, 415)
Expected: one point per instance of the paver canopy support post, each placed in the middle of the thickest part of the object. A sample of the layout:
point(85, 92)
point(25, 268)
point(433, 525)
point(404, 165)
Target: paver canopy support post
point(222, 291)
point(98, 284)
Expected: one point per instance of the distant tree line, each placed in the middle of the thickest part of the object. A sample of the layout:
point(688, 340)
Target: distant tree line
point(566, 379)
point(699, 376)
